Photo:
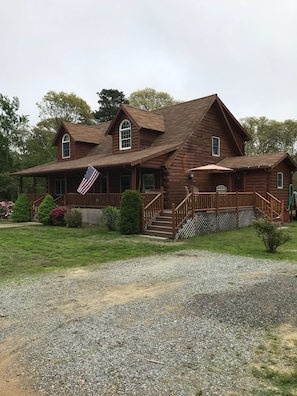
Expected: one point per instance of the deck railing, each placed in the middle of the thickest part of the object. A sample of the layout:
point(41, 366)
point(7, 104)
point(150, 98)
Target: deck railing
point(153, 204)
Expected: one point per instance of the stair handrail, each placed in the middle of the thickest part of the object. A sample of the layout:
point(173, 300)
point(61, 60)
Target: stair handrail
point(182, 211)
point(152, 209)
point(271, 207)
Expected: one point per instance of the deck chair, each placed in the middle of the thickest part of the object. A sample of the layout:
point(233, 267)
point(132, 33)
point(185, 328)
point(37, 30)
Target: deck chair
point(221, 188)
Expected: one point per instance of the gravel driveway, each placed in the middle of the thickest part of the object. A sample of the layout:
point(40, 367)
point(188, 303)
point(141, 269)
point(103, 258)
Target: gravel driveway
point(180, 324)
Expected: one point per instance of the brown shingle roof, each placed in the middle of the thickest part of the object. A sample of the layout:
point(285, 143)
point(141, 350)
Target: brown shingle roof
point(84, 133)
point(142, 119)
point(99, 162)
point(265, 161)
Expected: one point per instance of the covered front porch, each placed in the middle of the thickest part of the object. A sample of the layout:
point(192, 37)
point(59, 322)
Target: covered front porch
point(153, 206)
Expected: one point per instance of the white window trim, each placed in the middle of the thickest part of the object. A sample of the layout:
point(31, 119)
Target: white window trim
point(64, 141)
point(121, 140)
point(281, 179)
point(212, 146)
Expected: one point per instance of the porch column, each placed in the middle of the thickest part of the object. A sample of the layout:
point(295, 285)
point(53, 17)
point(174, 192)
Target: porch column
point(133, 181)
point(21, 185)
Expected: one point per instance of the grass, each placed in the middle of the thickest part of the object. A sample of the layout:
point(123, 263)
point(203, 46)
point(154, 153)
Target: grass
point(278, 373)
point(33, 249)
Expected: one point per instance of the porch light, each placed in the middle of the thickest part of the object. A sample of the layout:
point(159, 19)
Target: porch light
point(190, 176)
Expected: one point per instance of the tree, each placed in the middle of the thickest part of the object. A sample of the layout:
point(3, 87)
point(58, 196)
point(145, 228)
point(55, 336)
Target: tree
point(12, 128)
point(270, 136)
point(149, 99)
point(56, 107)
point(109, 103)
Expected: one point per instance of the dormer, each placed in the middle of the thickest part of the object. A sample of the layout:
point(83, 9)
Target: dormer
point(75, 141)
point(133, 129)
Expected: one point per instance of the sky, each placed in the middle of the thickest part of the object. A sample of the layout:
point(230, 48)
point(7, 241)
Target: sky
point(242, 50)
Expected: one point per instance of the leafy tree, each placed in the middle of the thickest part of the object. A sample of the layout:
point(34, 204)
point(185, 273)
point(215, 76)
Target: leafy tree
point(60, 106)
point(270, 136)
point(21, 209)
point(12, 128)
point(109, 103)
point(149, 99)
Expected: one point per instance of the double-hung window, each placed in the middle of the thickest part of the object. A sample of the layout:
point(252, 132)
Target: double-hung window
point(66, 146)
point(125, 135)
point(215, 146)
point(280, 180)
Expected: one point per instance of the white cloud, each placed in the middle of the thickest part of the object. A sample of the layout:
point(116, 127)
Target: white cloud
point(243, 50)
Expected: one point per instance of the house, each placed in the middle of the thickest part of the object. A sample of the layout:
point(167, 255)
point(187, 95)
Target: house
point(153, 151)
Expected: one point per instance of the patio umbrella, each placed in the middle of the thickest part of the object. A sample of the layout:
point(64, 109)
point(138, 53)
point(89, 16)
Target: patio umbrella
point(212, 168)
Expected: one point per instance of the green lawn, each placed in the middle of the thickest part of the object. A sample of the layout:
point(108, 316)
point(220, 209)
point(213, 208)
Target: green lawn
point(33, 249)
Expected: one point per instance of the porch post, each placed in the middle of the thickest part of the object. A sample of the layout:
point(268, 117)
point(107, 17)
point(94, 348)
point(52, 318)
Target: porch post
point(134, 186)
point(21, 185)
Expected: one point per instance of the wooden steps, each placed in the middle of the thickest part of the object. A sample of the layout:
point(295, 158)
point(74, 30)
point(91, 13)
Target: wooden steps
point(161, 226)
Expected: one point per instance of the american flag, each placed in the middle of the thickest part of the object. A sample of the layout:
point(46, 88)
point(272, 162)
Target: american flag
point(88, 180)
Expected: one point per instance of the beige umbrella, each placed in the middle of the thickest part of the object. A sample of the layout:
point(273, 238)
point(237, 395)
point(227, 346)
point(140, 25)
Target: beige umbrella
point(212, 168)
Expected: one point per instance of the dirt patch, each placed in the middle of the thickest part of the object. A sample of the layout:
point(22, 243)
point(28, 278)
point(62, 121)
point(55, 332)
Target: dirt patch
point(91, 301)
point(13, 381)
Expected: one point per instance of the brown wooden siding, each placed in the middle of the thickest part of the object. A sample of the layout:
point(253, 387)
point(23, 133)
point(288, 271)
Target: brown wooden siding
point(135, 146)
point(197, 151)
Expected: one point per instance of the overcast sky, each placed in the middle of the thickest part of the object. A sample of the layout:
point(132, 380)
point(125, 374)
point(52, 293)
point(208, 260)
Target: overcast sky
point(243, 50)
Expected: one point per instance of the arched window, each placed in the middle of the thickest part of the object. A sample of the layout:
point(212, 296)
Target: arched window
point(66, 146)
point(125, 135)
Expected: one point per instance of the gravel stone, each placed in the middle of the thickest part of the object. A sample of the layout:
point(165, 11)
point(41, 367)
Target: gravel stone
point(179, 324)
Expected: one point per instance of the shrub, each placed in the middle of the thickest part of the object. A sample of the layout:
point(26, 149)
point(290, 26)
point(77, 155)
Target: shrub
point(271, 234)
point(45, 208)
point(57, 216)
point(21, 209)
point(130, 213)
point(110, 217)
point(73, 218)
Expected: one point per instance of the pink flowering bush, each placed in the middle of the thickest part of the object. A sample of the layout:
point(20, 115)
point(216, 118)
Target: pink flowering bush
point(58, 216)
point(5, 209)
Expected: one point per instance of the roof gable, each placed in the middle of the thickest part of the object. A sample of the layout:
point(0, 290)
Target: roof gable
point(82, 133)
point(141, 118)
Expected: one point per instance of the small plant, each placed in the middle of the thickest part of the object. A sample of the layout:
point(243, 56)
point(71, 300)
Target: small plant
point(21, 209)
point(5, 209)
point(45, 208)
point(58, 216)
point(110, 217)
point(73, 218)
point(271, 234)
point(130, 213)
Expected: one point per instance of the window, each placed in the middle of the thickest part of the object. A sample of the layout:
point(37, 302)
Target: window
point(215, 146)
point(66, 146)
point(280, 180)
point(149, 182)
point(125, 182)
point(125, 135)
point(59, 187)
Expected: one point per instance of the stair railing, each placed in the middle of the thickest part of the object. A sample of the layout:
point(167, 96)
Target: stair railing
point(182, 211)
point(152, 209)
point(272, 207)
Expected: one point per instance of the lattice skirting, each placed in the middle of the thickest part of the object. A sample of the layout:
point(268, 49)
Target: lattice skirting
point(211, 222)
